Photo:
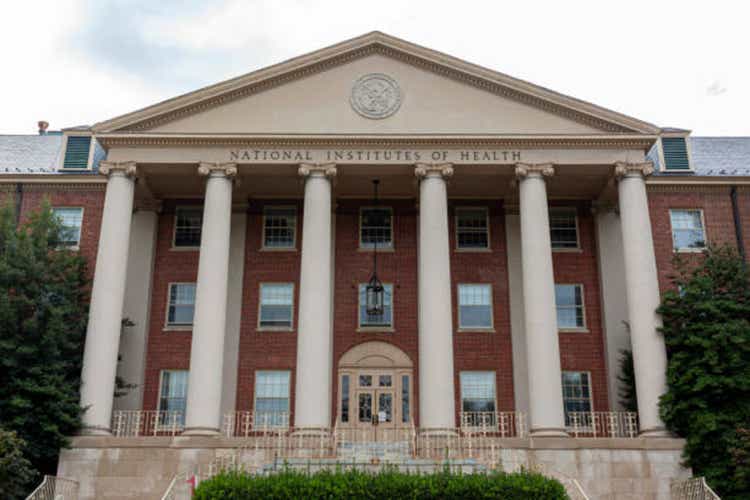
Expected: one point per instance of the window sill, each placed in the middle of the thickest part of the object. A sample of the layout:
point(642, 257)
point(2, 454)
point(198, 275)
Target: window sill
point(184, 249)
point(476, 330)
point(473, 250)
point(375, 329)
point(178, 328)
point(567, 250)
point(278, 249)
point(380, 249)
point(690, 250)
point(283, 329)
point(581, 329)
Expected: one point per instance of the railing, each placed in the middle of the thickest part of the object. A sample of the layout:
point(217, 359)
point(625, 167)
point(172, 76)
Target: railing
point(572, 486)
point(248, 424)
point(496, 423)
point(55, 488)
point(603, 424)
point(694, 488)
point(137, 423)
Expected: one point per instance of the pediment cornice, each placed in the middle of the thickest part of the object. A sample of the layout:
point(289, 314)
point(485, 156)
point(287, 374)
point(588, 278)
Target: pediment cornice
point(377, 43)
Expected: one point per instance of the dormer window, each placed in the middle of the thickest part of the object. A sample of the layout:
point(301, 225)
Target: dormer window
point(77, 152)
point(675, 155)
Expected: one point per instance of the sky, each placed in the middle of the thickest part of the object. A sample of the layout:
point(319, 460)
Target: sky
point(672, 63)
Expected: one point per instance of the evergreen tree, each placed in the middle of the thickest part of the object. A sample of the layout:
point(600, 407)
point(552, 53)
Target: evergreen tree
point(627, 394)
point(43, 312)
point(707, 333)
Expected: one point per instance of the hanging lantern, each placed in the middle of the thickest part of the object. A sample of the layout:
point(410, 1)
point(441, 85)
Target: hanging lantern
point(375, 293)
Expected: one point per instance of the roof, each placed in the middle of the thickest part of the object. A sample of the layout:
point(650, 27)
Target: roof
point(713, 156)
point(37, 154)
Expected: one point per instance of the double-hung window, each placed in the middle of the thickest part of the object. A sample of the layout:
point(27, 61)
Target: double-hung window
point(477, 398)
point(187, 226)
point(569, 302)
point(173, 397)
point(181, 304)
point(472, 230)
point(687, 230)
point(576, 387)
point(279, 227)
point(276, 305)
point(474, 306)
point(271, 398)
point(384, 320)
point(70, 219)
point(376, 227)
point(563, 227)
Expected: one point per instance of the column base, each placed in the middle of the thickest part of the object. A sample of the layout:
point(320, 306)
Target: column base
point(656, 432)
point(201, 431)
point(94, 430)
point(548, 432)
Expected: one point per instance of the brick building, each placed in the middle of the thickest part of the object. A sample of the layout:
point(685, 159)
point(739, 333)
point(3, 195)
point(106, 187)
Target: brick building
point(517, 232)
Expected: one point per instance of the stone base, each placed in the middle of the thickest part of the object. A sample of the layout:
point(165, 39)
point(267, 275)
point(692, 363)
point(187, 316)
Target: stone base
point(142, 468)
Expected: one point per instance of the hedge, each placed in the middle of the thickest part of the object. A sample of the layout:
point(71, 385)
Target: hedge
point(384, 485)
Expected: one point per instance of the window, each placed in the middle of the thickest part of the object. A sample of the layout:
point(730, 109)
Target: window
point(345, 398)
point(576, 393)
point(563, 227)
point(376, 226)
point(272, 398)
point(687, 229)
point(477, 398)
point(474, 306)
point(187, 226)
point(279, 227)
point(276, 303)
point(405, 396)
point(471, 228)
point(173, 397)
point(376, 320)
point(181, 304)
point(71, 220)
point(77, 149)
point(569, 300)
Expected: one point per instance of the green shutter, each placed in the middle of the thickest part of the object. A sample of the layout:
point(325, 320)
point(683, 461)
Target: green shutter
point(675, 153)
point(77, 152)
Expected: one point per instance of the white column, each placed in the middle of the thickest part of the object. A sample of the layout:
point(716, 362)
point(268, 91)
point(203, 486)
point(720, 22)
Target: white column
point(436, 391)
point(203, 409)
point(314, 339)
point(107, 297)
point(642, 286)
point(547, 417)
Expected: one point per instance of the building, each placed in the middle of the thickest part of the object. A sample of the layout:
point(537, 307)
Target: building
point(518, 231)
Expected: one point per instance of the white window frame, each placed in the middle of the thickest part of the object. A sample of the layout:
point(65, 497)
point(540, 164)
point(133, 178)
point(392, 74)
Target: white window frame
point(174, 228)
point(375, 328)
point(677, 249)
point(582, 328)
point(177, 326)
point(77, 246)
point(288, 396)
point(465, 208)
point(574, 211)
point(591, 390)
point(462, 328)
point(383, 246)
point(167, 425)
point(260, 307)
point(461, 373)
point(293, 246)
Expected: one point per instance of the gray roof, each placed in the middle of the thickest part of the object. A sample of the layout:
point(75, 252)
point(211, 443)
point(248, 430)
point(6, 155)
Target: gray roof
point(36, 154)
point(713, 156)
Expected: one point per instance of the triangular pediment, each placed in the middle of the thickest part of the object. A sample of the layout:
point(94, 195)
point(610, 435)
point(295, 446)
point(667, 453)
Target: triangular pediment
point(416, 91)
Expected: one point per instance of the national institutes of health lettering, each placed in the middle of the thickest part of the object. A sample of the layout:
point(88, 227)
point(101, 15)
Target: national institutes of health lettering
point(377, 252)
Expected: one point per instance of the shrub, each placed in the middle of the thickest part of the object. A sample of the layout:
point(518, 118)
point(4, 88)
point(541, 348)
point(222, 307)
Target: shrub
point(15, 471)
point(384, 485)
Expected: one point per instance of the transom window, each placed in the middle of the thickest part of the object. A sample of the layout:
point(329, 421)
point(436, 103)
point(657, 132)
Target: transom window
point(563, 227)
point(471, 228)
point(376, 320)
point(279, 227)
point(576, 388)
point(474, 306)
point(181, 304)
point(70, 220)
point(187, 226)
point(477, 398)
point(276, 305)
point(569, 301)
point(687, 229)
point(173, 396)
point(272, 398)
point(376, 226)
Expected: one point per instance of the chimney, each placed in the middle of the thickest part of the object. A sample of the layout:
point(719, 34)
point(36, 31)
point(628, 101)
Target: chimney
point(42, 127)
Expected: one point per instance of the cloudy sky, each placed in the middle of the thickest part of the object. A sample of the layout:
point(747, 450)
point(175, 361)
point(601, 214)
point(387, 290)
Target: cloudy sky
point(673, 63)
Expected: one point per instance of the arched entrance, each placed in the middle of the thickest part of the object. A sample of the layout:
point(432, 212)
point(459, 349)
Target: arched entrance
point(375, 387)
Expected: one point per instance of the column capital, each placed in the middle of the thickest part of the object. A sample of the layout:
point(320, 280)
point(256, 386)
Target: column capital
point(423, 170)
point(534, 169)
point(225, 169)
point(624, 169)
point(317, 169)
point(125, 168)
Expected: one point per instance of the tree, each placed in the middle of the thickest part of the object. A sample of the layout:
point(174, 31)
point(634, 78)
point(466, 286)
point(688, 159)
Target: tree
point(707, 334)
point(627, 394)
point(43, 313)
point(15, 470)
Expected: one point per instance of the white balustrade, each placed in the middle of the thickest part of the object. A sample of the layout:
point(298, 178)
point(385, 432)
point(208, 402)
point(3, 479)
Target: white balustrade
point(603, 424)
point(141, 423)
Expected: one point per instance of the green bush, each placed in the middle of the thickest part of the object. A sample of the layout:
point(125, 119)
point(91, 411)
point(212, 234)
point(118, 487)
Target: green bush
point(384, 485)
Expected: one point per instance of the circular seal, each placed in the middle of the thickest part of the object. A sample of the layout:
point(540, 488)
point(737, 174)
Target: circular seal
point(376, 96)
